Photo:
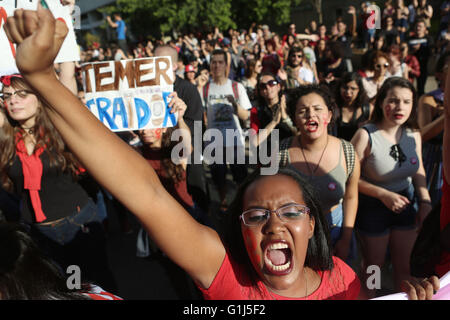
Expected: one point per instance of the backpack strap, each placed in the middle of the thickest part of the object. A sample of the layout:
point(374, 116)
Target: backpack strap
point(234, 85)
point(284, 151)
point(349, 152)
point(205, 92)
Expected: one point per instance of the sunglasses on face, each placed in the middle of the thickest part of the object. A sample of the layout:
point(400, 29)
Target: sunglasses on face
point(270, 83)
point(6, 96)
point(379, 66)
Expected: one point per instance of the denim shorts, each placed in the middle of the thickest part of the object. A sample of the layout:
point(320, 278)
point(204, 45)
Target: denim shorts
point(375, 219)
point(335, 219)
point(63, 231)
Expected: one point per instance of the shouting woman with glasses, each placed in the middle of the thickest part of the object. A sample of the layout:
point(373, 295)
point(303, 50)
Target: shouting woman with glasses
point(392, 173)
point(380, 66)
point(284, 255)
point(37, 167)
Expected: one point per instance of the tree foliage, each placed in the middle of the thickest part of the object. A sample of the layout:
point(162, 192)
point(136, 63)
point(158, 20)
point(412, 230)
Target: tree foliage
point(158, 17)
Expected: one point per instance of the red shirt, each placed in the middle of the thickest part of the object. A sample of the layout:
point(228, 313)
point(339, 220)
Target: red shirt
point(97, 293)
point(177, 190)
point(233, 283)
point(444, 265)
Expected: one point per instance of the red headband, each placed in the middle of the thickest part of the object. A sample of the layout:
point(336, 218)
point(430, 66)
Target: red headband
point(6, 80)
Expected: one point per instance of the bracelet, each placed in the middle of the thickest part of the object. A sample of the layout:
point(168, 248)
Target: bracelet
point(287, 121)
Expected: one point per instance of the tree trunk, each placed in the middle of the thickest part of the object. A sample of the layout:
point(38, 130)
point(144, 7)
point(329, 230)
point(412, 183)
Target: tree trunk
point(318, 5)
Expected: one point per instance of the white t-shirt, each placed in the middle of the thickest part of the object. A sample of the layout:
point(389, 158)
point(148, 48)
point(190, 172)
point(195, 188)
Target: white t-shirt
point(220, 112)
point(306, 74)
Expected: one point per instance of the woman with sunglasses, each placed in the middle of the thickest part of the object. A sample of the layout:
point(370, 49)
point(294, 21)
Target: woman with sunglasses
point(380, 65)
point(270, 111)
point(327, 162)
point(276, 249)
point(392, 180)
point(36, 166)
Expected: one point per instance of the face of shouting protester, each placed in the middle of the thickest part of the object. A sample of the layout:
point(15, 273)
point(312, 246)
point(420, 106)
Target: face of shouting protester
point(312, 116)
point(21, 104)
point(277, 248)
point(349, 91)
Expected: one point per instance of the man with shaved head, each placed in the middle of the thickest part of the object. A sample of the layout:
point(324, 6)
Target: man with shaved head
point(187, 92)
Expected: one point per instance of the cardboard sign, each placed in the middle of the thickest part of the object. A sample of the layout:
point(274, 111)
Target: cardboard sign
point(130, 94)
point(69, 50)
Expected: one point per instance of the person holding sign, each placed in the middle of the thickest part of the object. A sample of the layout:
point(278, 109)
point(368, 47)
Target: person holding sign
point(282, 249)
point(37, 167)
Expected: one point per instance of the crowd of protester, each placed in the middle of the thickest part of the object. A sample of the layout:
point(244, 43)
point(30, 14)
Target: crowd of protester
point(349, 109)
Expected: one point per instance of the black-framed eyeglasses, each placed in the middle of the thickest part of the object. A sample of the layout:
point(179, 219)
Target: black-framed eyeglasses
point(6, 96)
point(397, 154)
point(298, 55)
point(286, 213)
point(270, 83)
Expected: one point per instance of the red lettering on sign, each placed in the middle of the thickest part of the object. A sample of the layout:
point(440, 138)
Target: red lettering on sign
point(3, 17)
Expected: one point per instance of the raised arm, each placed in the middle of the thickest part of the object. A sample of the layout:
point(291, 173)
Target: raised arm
point(194, 247)
point(111, 23)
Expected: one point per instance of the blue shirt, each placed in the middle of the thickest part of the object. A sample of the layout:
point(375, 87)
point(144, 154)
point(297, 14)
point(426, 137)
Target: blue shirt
point(120, 30)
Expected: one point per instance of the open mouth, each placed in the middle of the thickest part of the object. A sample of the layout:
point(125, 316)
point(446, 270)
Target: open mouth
point(312, 126)
point(278, 258)
point(398, 116)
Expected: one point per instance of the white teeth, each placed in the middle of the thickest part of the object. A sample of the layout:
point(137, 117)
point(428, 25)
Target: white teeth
point(278, 245)
point(283, 267)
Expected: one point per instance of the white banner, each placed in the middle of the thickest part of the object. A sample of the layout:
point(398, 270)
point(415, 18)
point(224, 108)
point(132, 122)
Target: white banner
point(69, 50)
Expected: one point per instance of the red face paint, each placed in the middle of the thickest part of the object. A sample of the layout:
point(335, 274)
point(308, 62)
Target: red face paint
point(158, 133)
point(388, 111)
point(251, 245)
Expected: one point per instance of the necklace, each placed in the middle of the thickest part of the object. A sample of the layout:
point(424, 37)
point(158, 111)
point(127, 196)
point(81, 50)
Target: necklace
point(28, 130)
point(306, 287)
point(306, 160)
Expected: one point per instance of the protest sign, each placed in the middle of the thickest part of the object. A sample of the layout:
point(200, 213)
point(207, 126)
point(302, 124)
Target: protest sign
point(130, 94)
point(442, 294)
point(69, 50)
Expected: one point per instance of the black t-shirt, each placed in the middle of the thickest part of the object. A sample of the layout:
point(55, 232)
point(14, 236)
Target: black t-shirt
point(346, 40)
point(195, 176)
point(189, 94)
point(391, 36)
point(60, 194)
point(425, 50)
